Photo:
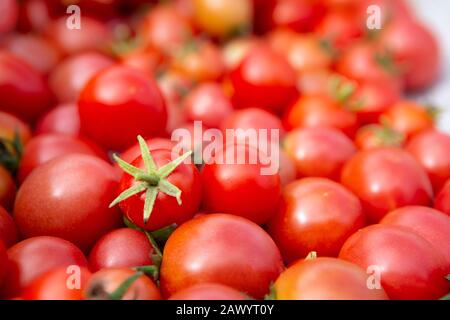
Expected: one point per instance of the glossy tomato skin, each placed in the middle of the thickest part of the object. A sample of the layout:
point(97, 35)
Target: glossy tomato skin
point(409, 266)
point(241, 189)
point(319, 152)
point(430, 224)
point(166, 210)
point(54, 285)
point(223, 249)
point(64, 119)
point(123, 247)
point(106, 281)
point(385, 179)
point(209, 291)
point(33, 257)
point(316, 215)
point(442, 201)
point(264, 79)
point(325, 279)
point(118, 104)
point(44, 148)
point(69, 197)
point(7, 188)
point(23, 91)
point(8, 230)
point(432, 148)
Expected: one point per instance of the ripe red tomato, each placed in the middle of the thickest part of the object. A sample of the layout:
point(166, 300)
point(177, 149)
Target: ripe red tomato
point(71, 75)
point(319, 152)
point(209, 291)
point(207, 103)
point(8, 230)
point(241, 189)
point(325, 279)
point(145, 59)
point(415, 50)
point(432, 225)
point(385, 179)
point(23, 91)
point(408, 265)
point(105, 282)
point(223, 249)
point(408, 117)
point(320, 111)
point(442, 201)
point(264, 79)
point(58, 284)
point(168, 206)
point(44, 148)
point(316, 215)
point(121, 248)
point(236, 49)
point(10, 126)
point(68, 197)
point(300, 16)
point(7, 188)
point(432, 149)
point(32, 257)
point(10, 13)
point(127, 102)
point(64, 119)
point(374, 136)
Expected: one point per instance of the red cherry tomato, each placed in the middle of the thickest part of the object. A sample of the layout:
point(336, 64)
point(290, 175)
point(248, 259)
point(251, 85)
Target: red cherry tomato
point(241, 189)
point(374, 136)
point(428, 223)
point(33, 257)
point(300, 16)
point(127, 102)
point(104, 282)
point(264, 79)
point(58, 284)
point(442, 201)
point(121, 248)
point(64, 119)
point(10, 12)
point(222, 249)
point(10, 126)
point(44, 148)
point(68, 197)
point(325, 279)
point(144, 59)
point(319, 152)
point(209, 291)
point(385, 179)
point(431, 148)
point(207, 103)
point(408, 265)
point(8, 230)
point(23, 91)
point(72, 74)
point(316, 215)
point(7, 188)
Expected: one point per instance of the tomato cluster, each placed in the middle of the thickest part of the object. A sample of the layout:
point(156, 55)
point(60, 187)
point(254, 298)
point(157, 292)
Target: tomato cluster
point(99, 200)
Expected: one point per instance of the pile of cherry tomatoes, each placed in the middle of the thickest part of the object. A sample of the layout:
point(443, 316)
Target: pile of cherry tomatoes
point(360, 205)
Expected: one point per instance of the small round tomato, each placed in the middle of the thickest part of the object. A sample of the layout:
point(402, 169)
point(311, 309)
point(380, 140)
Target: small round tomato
point(68, 197)
point(153, 199)
point(319, 152)
point(442, 201)
point(23, 91)
point(222, 18)
point(33, 257)
point(240, 188)
point(316, 214)
point(264, 79)
point(320, 111)
point(10, 126)
point(7, 188)
point(104, 283)
point(209, 291)
point(432, 149)
point(325, 279)
point(407, 265)
point(71, 75)
point(235, 50)
point(127, 102)
point(385, 179)
point(58, 284)
point(10, 14)
point(408, 117)
point(144, 59)
point(64, 119)
point(432, 225)
point(121, 248)
point(8, 230)
point(300, 16)
point(374, 136)
point(207, 103)
point(223, 249)
point(46, 147)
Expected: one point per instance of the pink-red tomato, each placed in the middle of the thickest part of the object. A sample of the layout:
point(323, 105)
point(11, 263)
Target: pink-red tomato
point(64, 119)
point(8, 230)
point(10, 13)
point(209, 291)
point(442, 201)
